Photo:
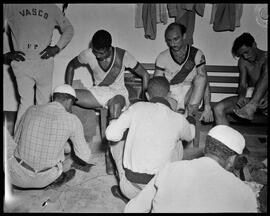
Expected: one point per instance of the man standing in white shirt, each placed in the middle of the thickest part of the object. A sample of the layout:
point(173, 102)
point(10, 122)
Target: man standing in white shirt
point(154, 138)
point(32, 54)
point(203, 185)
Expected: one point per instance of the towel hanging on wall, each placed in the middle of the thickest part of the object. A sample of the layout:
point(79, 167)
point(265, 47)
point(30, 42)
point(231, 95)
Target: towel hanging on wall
point(226, 17)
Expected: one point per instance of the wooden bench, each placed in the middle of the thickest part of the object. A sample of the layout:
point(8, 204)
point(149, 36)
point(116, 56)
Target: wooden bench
point(222, 80)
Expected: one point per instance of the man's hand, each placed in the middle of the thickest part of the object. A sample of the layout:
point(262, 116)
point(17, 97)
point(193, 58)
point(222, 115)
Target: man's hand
point(49, 52)
point(15, 55)
point(192, 109)
point(207, 115)
point(242, 101)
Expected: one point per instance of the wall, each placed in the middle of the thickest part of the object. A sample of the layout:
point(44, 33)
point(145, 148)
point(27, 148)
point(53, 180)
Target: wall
point(119, 19)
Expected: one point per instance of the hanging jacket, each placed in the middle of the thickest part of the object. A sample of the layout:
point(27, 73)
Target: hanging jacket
point(238, 13)
point(185, 14)
point(149, 21)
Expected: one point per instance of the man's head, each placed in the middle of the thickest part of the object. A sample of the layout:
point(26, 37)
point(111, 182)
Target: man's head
point(245, 46)
point(158, 87)
point(224, 143)
point(101, 44)
point(65, 95)
point(175, 35)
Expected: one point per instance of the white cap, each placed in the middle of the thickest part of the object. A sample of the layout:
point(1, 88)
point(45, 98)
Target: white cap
point(229, 137)
point(65, 88)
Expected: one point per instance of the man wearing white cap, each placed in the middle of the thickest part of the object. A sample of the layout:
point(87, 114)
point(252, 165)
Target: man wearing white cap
point(203, 185)
point(41, 138)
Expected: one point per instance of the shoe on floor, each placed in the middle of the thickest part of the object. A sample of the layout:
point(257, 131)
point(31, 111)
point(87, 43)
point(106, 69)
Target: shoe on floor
point(84, 168)
point(62, 179)
point(118, 194)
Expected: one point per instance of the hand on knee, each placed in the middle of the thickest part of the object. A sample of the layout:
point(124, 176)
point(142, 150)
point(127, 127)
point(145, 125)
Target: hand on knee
point(192, 109)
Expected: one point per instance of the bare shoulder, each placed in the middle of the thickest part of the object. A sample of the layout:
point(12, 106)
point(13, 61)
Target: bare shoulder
point(263, 57)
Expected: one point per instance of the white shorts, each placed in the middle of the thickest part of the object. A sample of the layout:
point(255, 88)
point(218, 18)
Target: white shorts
point(104, 93)
point(178, 92)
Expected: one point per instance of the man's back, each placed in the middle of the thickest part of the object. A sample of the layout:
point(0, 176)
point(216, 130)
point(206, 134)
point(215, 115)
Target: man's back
point(253, 69)
point(42, 134)
point(154, 130)
point(201, 185)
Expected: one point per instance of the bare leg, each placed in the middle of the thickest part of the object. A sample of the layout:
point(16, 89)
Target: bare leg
point(115, 106)
point(223, 108)
point(86, 99)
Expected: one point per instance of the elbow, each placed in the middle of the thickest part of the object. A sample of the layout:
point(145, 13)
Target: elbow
point(112, 136)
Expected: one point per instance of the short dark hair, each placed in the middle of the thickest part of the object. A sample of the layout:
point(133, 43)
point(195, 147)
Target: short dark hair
point(63, 96)
point(101, 40)
point(244, 39)
point(171, 26)
point(217, 148)
point(158, 86)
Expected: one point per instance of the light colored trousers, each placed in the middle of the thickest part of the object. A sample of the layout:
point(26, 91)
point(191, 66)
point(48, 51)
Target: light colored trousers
point(129, 189)
point(29, 73)
point(22, 177)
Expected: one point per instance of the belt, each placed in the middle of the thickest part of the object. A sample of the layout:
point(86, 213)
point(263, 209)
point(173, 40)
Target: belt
point(139, 178)
point(25, 165)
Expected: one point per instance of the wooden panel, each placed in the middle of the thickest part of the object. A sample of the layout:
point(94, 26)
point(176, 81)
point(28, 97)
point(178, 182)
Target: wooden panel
point(221, 69)
point(209, 68)
point(223, 79)
point(148, 66)
point(224, 90)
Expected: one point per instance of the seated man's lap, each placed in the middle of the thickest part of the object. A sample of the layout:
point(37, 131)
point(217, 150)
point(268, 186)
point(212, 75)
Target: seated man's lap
point(104, 93)
point(180, 92)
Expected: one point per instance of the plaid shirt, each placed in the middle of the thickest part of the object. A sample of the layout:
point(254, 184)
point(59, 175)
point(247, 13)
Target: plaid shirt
point(42, 133)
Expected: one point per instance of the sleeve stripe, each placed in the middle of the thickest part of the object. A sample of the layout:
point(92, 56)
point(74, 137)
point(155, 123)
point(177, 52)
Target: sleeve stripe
point(137, 65)
point(203, 63)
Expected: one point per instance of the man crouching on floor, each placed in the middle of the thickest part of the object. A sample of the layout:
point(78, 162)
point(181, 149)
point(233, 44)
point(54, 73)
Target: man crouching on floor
point(41, 141)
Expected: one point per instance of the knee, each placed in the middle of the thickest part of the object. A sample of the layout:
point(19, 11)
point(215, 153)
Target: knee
point(218, 109)
point(115, 105)
point(118, 100)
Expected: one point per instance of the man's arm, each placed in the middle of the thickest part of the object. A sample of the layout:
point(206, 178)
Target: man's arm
point(116, 128)
point(69, 74)
point(207, 115)
point(140, 71)
point(66, 30)
point(199, 83)
point(242, 88)
point(80, 145)
point(261, 85)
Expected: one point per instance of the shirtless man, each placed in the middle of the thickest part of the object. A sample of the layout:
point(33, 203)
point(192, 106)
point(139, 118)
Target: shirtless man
point(184, 67)
point(107, 65)
point(253, 84)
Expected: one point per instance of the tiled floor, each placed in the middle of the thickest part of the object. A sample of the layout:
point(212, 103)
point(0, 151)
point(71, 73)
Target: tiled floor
point(91, 192)
point(86, 192)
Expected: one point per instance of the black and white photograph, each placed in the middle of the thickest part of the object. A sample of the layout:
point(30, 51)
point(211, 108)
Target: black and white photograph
point(135, 107)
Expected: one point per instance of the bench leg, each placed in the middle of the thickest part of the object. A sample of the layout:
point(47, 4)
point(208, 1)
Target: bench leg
point(103, 123)
point(196, 143)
